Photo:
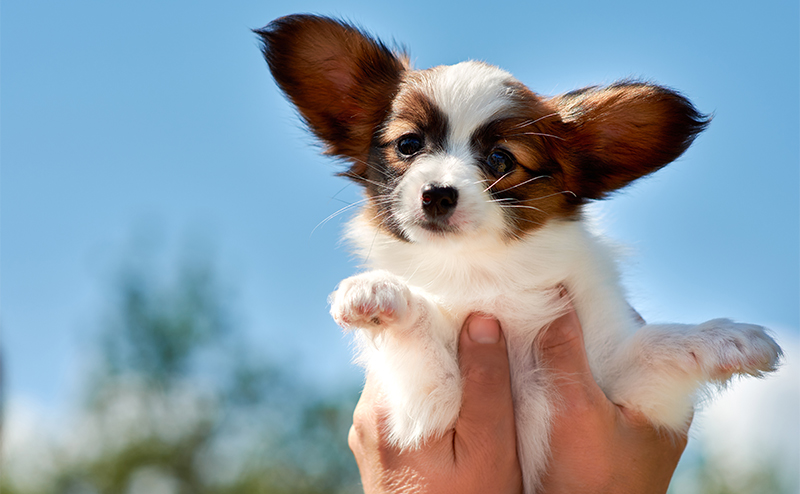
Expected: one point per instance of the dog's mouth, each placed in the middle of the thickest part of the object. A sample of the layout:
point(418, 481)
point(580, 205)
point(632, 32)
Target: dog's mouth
point(436, 226)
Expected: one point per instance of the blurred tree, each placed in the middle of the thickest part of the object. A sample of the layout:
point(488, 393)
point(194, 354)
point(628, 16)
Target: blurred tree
point(178, 403)
point(706, 474)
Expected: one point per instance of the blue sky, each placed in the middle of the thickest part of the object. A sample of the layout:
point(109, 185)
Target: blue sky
point(160, 116)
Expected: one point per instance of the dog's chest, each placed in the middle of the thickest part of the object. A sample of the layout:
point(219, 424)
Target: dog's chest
point(518, 282)
point(522, 301)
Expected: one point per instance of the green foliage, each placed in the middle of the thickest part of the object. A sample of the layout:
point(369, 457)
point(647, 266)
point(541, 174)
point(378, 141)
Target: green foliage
point(704, 474)
point(179, 403)
point(155, 332)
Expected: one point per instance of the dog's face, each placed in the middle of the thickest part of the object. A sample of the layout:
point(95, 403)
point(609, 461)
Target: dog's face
point(467, 150)
point(464, 151)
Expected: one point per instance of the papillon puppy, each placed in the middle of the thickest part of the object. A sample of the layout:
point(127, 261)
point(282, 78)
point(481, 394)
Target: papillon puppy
point(475, 188)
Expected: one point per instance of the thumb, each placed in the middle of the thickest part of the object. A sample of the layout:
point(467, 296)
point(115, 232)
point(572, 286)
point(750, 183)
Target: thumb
point(487, 408)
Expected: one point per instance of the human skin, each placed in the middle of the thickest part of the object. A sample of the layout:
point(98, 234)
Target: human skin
point(597, 447)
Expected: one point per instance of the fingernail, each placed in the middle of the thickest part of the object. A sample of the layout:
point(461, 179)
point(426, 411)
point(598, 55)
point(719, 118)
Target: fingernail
point(484, 330)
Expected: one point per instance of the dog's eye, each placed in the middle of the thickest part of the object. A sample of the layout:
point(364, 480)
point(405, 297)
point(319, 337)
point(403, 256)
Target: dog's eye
point(501, 162)
point(409, 145)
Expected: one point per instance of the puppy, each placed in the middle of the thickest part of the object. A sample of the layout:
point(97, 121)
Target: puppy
point(474, 191)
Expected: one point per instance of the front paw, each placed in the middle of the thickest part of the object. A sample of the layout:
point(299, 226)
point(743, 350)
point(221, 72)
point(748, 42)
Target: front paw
point(733, 348)
point(373, 300)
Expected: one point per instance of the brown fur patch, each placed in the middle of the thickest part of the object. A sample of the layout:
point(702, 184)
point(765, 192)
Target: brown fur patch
point(414, 113)
point(534, 190)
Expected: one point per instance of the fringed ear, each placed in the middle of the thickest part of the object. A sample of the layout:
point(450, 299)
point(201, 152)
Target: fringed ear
point(341, 80)
point(622, 132)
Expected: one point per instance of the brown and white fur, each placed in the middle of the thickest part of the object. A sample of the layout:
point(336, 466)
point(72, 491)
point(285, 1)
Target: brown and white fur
point(474, 193)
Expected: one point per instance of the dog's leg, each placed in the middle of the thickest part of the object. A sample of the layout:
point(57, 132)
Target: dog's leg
point(409, 344)
point(663, 368)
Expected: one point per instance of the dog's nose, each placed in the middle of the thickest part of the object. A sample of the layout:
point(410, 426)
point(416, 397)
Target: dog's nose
point(438, 201)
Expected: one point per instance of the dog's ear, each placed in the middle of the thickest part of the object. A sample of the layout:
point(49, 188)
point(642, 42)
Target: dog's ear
point(619, 133)
point(341, 80)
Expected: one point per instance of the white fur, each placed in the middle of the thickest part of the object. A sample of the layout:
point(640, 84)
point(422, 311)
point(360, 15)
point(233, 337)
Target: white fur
point(469, 93)
point(411, 306)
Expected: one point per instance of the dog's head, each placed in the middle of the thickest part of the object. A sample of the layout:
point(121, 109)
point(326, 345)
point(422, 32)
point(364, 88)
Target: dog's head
point(468, 150)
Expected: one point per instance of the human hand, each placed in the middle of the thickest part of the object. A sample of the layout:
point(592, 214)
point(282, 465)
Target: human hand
point(478, 455)
point(598, 447)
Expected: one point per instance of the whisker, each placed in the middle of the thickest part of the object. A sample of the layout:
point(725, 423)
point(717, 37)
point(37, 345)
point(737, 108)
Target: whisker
point(532, 122)
point(378, 200)
point(417, 267)
point(549, 195)
point(527, 182)
point(368, 164)
point(527, 220)
point(337, 213)
point(340, 191)
point(369, 252)
point(497, 181)
point(382, 215)
point(540, 134)
point(373, 182)
point(520, 206)
point(364, 179)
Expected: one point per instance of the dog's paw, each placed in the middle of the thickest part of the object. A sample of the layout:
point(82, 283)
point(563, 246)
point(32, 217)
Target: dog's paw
point(373, 300)
point(726, 348)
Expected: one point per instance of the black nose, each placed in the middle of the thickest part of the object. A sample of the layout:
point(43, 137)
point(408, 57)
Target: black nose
point(438, 201)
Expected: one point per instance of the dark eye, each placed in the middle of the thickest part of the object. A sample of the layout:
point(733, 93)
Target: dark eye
point(409, 145)
point(500, 161)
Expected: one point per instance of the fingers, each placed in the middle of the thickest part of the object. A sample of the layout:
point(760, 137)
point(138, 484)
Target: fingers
point(484, 442)
point(562, 349)
point(487, 410)
point(368, 432)
point(561, 343)
point(362, 432)
point(368, 440)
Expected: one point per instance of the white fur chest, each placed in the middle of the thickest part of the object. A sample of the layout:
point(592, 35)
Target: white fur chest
point(517, 281)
